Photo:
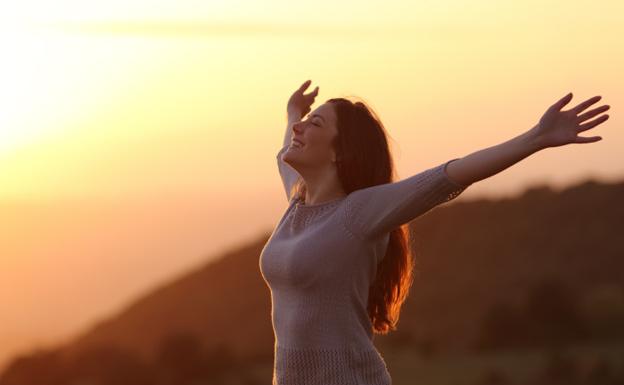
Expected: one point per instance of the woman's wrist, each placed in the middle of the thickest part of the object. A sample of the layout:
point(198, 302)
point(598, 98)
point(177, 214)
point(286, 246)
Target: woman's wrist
point(294, 114)
point(535, 140)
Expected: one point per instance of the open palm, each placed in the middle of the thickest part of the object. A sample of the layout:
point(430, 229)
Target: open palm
point(557, 128)
point(299, 103)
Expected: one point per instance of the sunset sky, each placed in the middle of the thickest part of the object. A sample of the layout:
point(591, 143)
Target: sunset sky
point(138, 138)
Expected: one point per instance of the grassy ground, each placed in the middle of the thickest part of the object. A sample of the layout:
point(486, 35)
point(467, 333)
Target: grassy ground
point(520, 367)
point(407, 367)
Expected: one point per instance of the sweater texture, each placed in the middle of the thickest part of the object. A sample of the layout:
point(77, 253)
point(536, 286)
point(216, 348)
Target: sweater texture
point(319, 263)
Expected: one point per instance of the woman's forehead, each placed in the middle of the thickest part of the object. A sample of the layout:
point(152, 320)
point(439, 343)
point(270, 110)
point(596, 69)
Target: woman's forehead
point(326, 111)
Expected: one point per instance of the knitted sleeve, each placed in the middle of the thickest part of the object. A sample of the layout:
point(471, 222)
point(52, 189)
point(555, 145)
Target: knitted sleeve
point(373, 211)
point(288, 174)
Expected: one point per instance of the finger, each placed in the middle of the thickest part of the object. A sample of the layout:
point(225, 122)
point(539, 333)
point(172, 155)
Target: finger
point(593, 123)
point(590, 139)
point(592, 113)
point(585, 104)
point(562, 102)
point(304, 85)
point(313, 93)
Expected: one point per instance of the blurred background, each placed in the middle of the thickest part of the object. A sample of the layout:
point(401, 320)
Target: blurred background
point(138, 184)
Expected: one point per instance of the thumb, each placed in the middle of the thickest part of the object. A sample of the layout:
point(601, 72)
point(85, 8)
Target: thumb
point(586, 139)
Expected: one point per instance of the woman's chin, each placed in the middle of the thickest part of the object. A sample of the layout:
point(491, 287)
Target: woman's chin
point(290, 156)
point(291, 151)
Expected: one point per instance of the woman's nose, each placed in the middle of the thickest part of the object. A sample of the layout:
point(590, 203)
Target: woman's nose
point(297, 126)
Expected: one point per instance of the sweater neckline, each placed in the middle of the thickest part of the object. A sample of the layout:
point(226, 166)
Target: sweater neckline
point(301, 205)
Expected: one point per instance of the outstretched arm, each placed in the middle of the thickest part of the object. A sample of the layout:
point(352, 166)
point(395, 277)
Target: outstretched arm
point(376, 210)
point(555, 128)
point(373, 211)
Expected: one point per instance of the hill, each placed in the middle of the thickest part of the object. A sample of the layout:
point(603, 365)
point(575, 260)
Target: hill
point(543, 269)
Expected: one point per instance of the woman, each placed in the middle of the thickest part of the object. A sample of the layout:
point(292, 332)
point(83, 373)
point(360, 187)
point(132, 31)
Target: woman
point(338, 264)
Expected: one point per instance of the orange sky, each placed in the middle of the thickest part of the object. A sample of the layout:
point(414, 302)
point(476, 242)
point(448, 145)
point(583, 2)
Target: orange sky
point(128, 130)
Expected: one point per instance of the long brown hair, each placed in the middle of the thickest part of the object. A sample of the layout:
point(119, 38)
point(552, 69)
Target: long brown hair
point(363, 159)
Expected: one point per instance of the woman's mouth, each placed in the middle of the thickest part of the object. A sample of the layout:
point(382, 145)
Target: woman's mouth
point(296, 144)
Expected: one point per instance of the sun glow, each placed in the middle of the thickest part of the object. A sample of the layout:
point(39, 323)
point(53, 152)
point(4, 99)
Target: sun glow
point(21, 88)
point(40, 76)
point(50, 79)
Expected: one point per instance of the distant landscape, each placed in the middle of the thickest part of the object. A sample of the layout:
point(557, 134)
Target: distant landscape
point(511, 291)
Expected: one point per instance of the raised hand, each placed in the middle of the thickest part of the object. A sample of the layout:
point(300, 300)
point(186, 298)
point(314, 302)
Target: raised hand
point(557, 128)
point(299, 104)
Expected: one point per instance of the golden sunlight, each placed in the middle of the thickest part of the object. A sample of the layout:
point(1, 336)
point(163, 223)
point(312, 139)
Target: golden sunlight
point(22, 88)
point(40, 76)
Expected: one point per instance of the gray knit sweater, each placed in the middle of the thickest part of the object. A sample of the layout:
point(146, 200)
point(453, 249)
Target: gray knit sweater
point(319, 263)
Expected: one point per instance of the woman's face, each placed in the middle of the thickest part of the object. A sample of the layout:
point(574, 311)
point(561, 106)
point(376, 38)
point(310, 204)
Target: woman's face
point(315, 133)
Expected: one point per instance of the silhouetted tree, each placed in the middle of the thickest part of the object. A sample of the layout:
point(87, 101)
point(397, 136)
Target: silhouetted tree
point(559, 369)
point(493, 377)
point(38, 367)
point(554, 315)
point(109, 365)
point(502, 327)
point(181, 359)
point(601, 373)
point(427, 348)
